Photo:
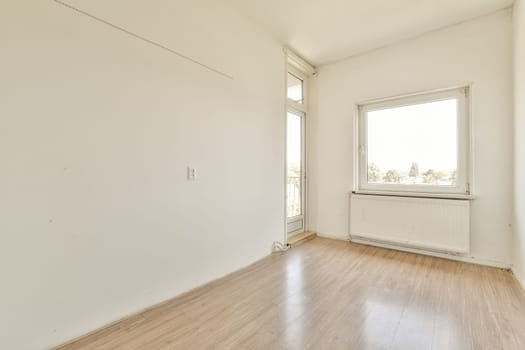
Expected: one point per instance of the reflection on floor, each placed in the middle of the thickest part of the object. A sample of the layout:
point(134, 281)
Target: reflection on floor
point(327, 294)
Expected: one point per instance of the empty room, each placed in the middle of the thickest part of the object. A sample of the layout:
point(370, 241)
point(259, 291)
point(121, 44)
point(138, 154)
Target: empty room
point(277, 174)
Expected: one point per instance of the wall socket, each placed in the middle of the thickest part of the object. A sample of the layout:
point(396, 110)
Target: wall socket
point(191, 174)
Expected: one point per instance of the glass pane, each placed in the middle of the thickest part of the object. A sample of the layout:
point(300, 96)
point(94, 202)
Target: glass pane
point(295, 88)
point(414, 145)
point(294, 155)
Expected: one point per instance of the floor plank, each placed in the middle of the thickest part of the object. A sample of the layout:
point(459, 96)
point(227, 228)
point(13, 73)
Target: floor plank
point(327, 294)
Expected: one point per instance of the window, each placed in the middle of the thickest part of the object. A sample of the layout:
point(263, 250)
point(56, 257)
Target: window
point(295, 88)
point(295, 160)
point(417, 143)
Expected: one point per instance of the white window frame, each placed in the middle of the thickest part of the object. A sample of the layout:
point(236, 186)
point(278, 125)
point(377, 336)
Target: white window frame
point(300, 109)
point(303, 70)
point(462, 187)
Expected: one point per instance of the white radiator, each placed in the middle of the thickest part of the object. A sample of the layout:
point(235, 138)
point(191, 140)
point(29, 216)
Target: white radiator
point(441, 225)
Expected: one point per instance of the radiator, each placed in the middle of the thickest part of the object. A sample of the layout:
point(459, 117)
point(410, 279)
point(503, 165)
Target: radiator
point(441, 225)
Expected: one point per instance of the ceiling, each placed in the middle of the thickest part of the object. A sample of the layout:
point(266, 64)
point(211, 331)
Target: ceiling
point(324, 31)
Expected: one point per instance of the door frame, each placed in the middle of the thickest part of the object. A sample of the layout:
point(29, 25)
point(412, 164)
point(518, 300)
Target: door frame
point(300, 109)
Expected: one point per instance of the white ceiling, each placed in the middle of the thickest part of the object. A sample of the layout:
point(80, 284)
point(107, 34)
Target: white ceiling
point(323, 31)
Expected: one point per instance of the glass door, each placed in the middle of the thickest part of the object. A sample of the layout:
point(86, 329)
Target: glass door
point(295, 172)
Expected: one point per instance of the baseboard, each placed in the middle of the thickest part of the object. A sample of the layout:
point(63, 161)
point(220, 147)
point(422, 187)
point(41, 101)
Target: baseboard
point(455, 257)
point(343, 237)
point(462, 258)
point(521, 281)
point(160, 304)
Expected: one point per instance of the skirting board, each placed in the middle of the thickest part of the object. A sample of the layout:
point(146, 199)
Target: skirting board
point(517, 277)
point(462, 258)
point(204, 286)
point(343, 237)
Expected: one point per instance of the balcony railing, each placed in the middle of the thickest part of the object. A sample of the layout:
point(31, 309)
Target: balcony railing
point(293, 193)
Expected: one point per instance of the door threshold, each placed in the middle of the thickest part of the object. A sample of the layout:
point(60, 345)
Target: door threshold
point(300, 238)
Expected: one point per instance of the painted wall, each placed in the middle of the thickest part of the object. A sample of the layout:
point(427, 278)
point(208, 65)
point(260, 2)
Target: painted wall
point(97, 219)
point(519, 140)
point(477, 52)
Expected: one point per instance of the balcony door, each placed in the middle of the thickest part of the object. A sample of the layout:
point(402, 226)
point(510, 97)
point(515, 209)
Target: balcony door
point(295, 172)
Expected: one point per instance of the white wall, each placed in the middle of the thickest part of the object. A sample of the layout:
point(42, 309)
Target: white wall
point(97, 219)
point(519, 140)
point(477, 52)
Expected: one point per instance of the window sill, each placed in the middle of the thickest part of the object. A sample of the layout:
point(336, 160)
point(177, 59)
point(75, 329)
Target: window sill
point(453, 196)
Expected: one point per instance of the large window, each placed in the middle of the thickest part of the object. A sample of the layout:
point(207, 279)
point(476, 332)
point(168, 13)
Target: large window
point(417, 143)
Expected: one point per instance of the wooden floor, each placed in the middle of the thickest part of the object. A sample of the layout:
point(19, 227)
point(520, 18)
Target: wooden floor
point(328, 294)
